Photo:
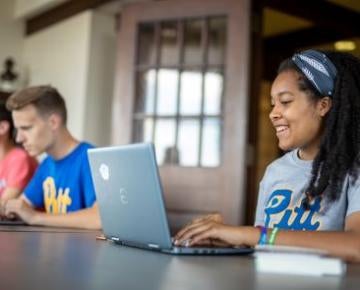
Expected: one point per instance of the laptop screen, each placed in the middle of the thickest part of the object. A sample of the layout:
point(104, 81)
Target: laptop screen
point(129, 194)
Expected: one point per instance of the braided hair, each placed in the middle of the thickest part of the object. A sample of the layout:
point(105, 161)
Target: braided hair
point(339, 150)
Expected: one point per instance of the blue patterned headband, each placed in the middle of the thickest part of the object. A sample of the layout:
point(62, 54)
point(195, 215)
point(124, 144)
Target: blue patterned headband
point(318, 69)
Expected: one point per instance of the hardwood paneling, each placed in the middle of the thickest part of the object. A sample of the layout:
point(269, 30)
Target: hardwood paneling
point(59, 13)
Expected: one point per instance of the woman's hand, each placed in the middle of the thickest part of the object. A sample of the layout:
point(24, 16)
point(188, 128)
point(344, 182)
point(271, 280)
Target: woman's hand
point(216, 217)
point(211, 231)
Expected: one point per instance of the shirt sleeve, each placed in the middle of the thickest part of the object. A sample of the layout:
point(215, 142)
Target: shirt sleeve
point(33, 191)
point(260, 208)
point(88, 186)
point(353, 197)
point(21, 170)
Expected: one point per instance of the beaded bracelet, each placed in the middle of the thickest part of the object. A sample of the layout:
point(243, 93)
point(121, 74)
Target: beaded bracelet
point(272, 237)
point(263, 235)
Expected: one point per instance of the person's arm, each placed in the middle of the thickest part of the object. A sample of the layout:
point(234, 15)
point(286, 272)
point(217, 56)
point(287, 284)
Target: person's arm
point(20, 169)
point(344, 244)
point(87, 218)
point(10, 193)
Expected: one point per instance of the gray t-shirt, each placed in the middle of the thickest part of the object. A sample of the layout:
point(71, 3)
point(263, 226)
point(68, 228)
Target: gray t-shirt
point(282, 191)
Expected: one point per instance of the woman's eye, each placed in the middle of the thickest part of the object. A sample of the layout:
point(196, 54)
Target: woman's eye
point(285, 102)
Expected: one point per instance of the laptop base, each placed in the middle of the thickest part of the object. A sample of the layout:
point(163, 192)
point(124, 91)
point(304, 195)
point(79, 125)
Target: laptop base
point(208, 251)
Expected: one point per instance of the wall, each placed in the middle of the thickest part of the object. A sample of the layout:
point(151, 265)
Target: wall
point(76, 56)
point(58, 56)
point(11, 36)
point(100, 79)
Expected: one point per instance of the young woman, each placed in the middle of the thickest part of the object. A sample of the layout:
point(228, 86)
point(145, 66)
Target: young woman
point(310, 197)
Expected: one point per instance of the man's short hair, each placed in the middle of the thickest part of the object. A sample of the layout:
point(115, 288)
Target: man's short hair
point(46, 99)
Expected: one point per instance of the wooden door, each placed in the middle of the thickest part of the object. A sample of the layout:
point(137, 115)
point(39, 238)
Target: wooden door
point(182, 83)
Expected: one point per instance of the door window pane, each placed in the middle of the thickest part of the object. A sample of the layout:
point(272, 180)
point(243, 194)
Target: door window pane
point(145, 100)
point(169, 53)
point(217, 40)
point(143, 130)
point(190, 93)
point(210, 155)
point(164, 138)
point(213, 92)
point(188, 142)
point(179, 89)
point(146, 47)
point(192, 42)
point(148, 129)
point(167, 92)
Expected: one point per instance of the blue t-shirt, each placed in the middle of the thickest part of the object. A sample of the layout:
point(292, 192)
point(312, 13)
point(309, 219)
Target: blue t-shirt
point(64, 185)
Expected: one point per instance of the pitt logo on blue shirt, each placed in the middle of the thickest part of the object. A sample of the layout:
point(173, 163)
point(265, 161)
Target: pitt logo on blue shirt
point(292, 218)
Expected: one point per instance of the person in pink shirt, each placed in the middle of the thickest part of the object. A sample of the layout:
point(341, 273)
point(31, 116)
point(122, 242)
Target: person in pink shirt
point(16, 166)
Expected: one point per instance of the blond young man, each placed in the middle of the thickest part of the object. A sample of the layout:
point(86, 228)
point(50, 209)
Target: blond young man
point(61, 193)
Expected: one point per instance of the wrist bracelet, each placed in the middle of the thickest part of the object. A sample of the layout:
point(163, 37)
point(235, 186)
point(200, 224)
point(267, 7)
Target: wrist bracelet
point(273, 236)
point(263, 235)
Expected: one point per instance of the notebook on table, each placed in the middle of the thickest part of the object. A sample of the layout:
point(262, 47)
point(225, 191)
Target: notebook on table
point(291, 260)
point(131, 204)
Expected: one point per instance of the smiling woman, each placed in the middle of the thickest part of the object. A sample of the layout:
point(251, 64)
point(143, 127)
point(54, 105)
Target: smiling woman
point(315, 186)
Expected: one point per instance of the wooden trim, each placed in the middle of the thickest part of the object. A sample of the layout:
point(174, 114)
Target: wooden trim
point(325, 29)
point(304, 37)
point(253, 126)
point(321, 13)
point(278, 51)
point(59, 13)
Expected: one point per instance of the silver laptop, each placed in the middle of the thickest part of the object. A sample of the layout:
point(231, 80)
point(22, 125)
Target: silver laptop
point(131, 203)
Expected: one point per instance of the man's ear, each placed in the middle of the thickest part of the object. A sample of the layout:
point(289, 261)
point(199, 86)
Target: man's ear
point(4, 127)
point(324, 106)
point(55, 121)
